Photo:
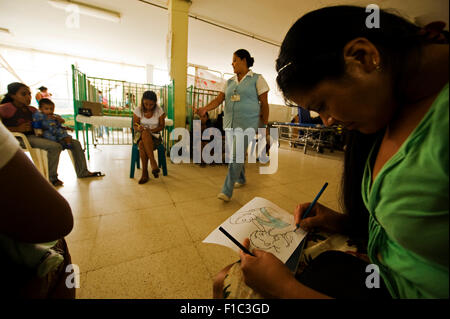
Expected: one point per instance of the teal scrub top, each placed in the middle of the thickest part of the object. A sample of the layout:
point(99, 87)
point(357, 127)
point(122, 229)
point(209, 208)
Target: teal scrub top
point(409, 208)
point(244, 113)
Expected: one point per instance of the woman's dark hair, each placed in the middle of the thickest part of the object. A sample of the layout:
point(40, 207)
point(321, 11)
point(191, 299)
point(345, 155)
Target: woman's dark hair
point(12, 89)
point(42, 88)
point(244, 54)
point(148, 95)
point(312, 51)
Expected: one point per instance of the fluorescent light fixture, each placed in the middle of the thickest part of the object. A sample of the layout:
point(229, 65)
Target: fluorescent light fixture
point(4, 30)
point(86, 9)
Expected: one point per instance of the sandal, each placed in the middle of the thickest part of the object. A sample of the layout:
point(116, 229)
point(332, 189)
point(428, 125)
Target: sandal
point(144, 179)
point(155, 172)
point(95, 174)
point(57, 183)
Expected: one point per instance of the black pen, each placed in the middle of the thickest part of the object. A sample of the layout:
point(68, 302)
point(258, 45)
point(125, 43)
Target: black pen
point(235, 241)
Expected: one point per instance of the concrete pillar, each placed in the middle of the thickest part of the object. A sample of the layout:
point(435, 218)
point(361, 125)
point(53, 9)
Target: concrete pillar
point(178, 33)
point(149, 73)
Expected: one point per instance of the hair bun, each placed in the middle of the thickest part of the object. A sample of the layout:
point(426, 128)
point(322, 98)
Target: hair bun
point(252, 60)
point(244, 54)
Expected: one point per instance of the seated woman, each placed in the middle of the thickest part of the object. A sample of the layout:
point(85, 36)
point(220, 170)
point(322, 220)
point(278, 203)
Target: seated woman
point(32, 213)
point(148, 121)
point(389, 86)
point(16, 114)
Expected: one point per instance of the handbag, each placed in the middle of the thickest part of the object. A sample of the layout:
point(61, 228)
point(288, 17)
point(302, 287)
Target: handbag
point(84, 111)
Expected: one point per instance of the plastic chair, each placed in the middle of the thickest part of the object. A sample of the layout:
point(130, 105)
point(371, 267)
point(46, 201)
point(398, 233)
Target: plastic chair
point(135, 158)
point(38, 156)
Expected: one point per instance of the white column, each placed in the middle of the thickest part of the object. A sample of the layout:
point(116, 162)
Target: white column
point(149, 72)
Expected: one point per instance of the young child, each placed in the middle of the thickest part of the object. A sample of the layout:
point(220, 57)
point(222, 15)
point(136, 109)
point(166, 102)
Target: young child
point(48, 125)
point(43, 257)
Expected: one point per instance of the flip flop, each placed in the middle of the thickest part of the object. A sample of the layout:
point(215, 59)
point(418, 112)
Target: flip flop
point(155, 172)
point(57, 183)
point(95, 174)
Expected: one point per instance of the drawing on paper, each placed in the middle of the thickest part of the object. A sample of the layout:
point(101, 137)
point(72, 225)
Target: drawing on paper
point(270, 230)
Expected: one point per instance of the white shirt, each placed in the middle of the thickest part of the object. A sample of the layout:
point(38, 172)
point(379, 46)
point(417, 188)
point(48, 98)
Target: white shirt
point(152, 122)
point(8, 145)
point(261, 84)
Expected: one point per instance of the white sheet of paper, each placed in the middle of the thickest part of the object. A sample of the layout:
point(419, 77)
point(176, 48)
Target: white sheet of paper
point(268, 227)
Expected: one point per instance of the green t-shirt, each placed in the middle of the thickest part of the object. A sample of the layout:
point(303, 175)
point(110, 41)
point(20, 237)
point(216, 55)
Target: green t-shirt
point(409, 209)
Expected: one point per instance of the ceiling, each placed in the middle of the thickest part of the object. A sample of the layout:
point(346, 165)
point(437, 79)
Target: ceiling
point(272, 19)
point(140, 37)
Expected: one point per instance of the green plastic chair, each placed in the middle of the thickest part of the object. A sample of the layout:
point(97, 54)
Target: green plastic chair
point(135, 158)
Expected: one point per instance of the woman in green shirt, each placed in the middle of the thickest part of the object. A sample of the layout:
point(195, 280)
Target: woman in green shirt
point(388, 86)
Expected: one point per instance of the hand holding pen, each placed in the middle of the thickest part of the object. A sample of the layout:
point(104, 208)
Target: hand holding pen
point(319, 217)
point(310, 206)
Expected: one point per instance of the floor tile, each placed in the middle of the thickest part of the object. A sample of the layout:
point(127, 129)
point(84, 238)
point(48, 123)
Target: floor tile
point(161, 275)
point(145, 241)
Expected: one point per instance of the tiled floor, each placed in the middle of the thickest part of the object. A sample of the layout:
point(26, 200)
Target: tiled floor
point(145, 241)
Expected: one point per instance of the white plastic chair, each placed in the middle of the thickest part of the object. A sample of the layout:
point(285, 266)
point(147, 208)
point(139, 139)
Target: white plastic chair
point(39, 156)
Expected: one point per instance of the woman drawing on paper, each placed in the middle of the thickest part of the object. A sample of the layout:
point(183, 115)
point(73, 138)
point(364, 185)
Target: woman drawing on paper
point(389, 87)
point(148, 122)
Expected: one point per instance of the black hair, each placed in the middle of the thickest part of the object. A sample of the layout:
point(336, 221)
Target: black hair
point(312, 51)
point(45, 101)
point(244, 54)
point(148, 95)
point(42, 88)
point(12, 89)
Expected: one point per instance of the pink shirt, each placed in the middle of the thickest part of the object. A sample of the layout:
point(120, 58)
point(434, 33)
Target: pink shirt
point(12, 116)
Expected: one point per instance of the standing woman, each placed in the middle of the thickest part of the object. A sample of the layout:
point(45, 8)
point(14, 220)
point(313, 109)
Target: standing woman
point(246, 106)
point(148, 122)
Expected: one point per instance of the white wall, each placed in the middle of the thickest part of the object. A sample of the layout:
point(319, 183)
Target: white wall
point(217, 46)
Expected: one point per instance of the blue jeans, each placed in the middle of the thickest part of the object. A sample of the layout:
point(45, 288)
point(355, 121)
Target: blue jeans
point(236, 172)
point(53, 151)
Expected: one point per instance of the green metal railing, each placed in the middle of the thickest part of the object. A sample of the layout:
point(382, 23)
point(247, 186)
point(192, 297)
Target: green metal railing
point(119, 98)
point(195, 98)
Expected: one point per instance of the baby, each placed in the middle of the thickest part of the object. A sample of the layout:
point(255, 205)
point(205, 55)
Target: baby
point(48, 125)
point(43, 258)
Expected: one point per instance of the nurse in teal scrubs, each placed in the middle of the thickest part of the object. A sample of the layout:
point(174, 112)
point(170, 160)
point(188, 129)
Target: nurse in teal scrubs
point(246, 106)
